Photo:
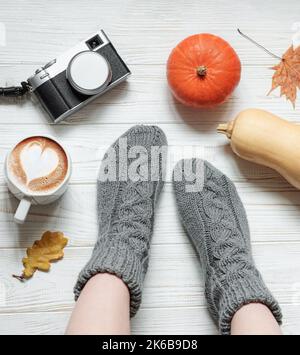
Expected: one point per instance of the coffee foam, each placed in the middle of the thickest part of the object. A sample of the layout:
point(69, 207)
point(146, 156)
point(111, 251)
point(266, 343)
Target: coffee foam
point(38, 165)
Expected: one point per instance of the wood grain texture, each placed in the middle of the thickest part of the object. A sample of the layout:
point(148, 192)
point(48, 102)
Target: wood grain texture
point(133, 101)
point(144, 32)
point(88, 143)
point(273, 216)
point(174, 278)
point(187, 320)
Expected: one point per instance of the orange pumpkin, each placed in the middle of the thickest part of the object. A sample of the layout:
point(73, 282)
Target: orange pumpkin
point(203, 70)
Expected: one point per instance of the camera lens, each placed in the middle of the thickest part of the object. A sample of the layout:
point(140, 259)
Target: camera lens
point(89, 73)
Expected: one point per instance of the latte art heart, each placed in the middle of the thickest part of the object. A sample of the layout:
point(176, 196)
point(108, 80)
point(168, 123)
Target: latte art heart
point(38, 164)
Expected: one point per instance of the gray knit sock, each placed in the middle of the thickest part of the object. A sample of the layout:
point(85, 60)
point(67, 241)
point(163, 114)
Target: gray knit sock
point(216, 222)
point(126, 212)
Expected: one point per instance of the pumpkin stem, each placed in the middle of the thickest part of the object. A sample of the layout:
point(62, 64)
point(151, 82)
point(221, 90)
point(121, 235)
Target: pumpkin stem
point(202, 71)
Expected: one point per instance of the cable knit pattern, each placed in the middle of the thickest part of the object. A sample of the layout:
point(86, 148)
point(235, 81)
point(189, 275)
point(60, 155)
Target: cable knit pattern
point(126, 213)
point(216, 222)
point(132, 220)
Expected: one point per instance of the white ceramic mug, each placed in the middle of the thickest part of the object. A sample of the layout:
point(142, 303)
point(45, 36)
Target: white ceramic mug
point(35, 198)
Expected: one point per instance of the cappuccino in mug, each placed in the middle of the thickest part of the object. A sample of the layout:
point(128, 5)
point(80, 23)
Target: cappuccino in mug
point(37, 171)
point(37, 165)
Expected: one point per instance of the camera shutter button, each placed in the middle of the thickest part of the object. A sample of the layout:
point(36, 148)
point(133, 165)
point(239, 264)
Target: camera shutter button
point(48, 65)
point(89, 72)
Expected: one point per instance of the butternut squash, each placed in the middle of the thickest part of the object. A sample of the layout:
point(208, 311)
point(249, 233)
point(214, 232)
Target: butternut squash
point(266, 139)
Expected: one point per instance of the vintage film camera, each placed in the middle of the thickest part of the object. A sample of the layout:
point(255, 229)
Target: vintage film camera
point(71, 81)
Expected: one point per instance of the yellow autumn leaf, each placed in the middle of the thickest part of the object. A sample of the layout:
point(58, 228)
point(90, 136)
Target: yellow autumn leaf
point(40, 255)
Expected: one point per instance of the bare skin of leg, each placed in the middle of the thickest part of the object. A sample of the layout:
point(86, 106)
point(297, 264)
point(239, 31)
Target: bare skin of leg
point(102, 308)
point(254, 319)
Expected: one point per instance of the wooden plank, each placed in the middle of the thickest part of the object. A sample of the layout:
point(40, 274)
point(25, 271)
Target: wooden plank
point(145, 98)
point(156, 321)
point(142, 32)
point(88, 144)
point(174, 278)
point(273, 216)
point(184, 320)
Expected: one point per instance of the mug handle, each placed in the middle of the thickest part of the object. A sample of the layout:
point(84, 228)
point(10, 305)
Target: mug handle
point(22, 211)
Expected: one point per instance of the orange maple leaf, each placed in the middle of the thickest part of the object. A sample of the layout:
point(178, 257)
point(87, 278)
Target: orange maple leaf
point(287, 75)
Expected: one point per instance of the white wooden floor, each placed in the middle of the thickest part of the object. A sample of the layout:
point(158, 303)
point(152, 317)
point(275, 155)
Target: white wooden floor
point(144, 31)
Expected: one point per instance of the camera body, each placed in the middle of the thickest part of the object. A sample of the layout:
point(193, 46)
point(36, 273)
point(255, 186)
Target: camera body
point(74, 79)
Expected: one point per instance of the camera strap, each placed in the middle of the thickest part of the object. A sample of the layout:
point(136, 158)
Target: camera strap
point(15, 91)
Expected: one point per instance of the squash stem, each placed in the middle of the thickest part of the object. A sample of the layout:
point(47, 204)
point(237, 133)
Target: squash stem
point(225, 128)
point(202, 71)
